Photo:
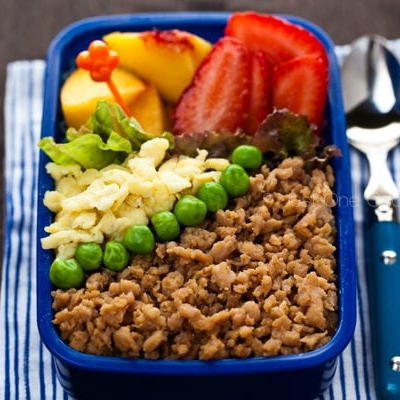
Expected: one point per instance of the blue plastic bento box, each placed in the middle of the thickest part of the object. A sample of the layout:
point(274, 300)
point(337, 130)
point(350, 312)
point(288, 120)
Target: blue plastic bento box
point(301, 376)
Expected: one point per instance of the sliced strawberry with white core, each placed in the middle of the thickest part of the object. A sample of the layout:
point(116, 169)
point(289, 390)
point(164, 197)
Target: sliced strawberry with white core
point(263, 62)
point(279, 39)
point(217, 98)
point(300, 85)
point(260, 92)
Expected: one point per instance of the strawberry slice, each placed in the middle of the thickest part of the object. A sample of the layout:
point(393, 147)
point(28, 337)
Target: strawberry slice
point(279, 39)
point(260, 92)
point(217, 98)
point(300, 85)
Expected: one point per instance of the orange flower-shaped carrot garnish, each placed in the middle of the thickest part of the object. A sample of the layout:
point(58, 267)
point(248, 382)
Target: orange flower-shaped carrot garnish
point(100, 61)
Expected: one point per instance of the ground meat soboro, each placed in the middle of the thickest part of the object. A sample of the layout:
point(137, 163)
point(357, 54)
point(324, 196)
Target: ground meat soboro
point(257, 279)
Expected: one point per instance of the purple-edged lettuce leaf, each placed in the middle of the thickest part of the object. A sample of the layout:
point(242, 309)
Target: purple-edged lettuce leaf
point(282, 134)
point(285, 134)
point(218, 144)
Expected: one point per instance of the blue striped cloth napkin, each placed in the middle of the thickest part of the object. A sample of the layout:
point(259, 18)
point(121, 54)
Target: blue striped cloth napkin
point(26, 369)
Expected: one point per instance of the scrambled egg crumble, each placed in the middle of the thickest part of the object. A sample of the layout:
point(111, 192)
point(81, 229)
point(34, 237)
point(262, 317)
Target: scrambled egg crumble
point(94, 205)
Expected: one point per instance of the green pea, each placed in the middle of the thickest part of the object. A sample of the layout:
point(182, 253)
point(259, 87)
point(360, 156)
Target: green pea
point(190, 210)
point(165, 225)
point(235, 180)
point(89, 256)
point(116, 255)
point(66, 274)
point(214, 196)
point(248, 156)
point(139, 239)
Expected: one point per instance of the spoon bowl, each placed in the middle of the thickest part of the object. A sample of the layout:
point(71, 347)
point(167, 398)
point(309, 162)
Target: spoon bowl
point(370, 78)
point(370, 81)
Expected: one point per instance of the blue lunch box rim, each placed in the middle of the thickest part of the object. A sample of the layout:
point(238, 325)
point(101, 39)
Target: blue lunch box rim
point(209, 25)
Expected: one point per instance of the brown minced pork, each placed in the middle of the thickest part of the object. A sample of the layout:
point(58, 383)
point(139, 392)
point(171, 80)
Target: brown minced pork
point(257, 279)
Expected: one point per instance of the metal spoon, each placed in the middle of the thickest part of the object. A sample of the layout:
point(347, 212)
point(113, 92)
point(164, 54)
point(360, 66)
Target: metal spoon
point(371, 82)
point(370, 89)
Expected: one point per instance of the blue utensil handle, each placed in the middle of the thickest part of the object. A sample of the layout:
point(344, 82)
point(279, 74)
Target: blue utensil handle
point(383, 276)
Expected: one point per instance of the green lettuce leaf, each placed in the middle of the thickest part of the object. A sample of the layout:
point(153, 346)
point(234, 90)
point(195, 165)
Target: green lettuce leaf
point(109, 136)
point(88, 150)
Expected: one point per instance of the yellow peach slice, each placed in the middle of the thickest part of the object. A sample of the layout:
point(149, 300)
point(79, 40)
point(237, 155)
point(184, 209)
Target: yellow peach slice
point(167, 58)
point(149, 110)
point(79, 94)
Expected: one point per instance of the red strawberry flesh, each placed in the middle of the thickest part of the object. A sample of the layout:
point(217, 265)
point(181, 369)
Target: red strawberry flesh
point(279, 39)
point(260, 92)
point(218, 96)
point(263, 63)
point(300, 85)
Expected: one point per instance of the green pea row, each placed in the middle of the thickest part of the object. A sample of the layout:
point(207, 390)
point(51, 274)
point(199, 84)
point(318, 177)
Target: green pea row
point(189, 210)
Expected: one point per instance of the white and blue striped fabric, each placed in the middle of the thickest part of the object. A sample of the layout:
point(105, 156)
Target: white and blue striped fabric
point(26, 369)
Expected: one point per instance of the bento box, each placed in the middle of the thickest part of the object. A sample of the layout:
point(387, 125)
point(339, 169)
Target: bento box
point(295, 376)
